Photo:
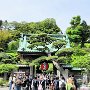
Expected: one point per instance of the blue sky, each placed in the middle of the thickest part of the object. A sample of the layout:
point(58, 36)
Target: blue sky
point(36, 10)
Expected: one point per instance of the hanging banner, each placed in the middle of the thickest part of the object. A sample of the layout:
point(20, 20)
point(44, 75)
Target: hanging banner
point(44, 66)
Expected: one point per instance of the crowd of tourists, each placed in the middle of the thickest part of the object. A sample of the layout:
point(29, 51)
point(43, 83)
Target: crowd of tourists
point(41, 82)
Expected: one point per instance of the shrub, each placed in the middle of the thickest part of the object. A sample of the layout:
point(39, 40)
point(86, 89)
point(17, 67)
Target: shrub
point(2, 82)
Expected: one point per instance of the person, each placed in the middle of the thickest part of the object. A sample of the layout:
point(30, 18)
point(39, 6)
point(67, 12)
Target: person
point(24, 83)
point(43, 84)
point(10, 82)
point(70, 84)
point(27, 82)
point(48, 82)
point(56, 83)
point(62, 84)
point(75, 82)
point(18, 83)
point(13, 82)
point(40, 85)
point(35, 84)
point(42, 81)
point(30, 81)
point(52, 84)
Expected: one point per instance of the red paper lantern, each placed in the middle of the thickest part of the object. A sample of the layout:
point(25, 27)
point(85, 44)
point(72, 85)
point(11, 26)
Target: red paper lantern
point(44, 66)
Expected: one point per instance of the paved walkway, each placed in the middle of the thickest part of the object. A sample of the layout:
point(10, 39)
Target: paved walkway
point(7, 88)
point(4, 88)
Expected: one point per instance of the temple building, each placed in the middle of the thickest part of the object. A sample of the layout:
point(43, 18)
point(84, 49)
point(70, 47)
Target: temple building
point(31, 54)
point(26, 52)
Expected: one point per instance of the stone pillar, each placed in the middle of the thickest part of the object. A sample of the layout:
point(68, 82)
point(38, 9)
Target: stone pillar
point(32, 70)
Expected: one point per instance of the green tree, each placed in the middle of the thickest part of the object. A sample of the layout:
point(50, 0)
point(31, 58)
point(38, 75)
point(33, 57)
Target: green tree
point(13, 45)
point(78, 32)
point(64, 55)
point(5, 25)
point(40, 42)
point(38, 60)
point(15, 35)
point(49, 26)
point(65, 52)
point(0, 23)
point(8, 58)
point(59, 44)
point(7, 68)
point(5, 38)
point(46, 26)
point(85, 33)
point(81, 61)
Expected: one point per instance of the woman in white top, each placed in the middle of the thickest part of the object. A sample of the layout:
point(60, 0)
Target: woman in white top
point(13, 82)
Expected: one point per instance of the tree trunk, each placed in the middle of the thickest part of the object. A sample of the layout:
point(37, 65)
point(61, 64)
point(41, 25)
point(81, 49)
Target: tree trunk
point(82, 44)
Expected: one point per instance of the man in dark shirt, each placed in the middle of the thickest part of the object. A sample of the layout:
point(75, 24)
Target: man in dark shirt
point(35, 83)
point(56, 83)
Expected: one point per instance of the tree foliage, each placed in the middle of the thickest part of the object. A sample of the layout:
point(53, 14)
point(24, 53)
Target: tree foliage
point(7, 68)
point(0, 23)
point(85, 33)
point(40, 41)
point(79, 51)
point(5, 38)
point(13, 45)
point(38, 60)
point(62, 59)
point(59, 44)
point(64, 52)
point(46, 26)
point(7, 58)
point(78, 32)
point(43, 59)
point(81, 61)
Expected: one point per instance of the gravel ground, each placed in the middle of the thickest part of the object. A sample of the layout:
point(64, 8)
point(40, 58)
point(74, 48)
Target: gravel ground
point(4, 88)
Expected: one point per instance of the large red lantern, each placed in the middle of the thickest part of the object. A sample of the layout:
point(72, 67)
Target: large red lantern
point(44, 66)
